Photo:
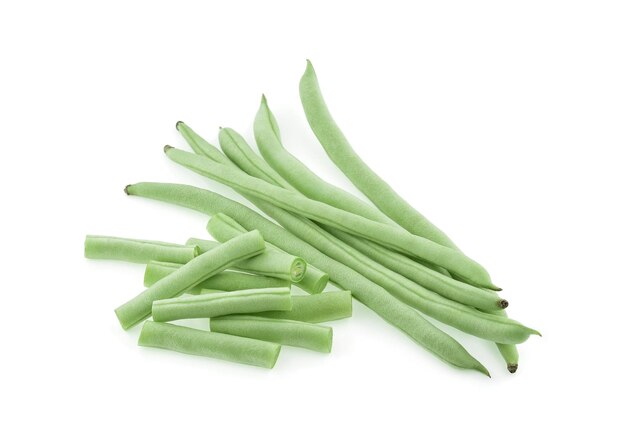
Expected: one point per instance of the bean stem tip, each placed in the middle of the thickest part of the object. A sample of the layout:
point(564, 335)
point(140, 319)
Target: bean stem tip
point(512, 367)
point(126, 189)
point(503, 303)
point(167, 148)
point(178, 123)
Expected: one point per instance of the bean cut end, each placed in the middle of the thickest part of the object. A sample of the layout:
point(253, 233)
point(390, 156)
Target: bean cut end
point(512, 367)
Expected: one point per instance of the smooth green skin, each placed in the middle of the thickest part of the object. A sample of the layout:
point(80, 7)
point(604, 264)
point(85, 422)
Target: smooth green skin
point(362, 176)
point(387, 235)
point(483, 325)
point(137, 250)
point(298, 175)
point(282, 331)
point(432, 280)
point(222, 303)
point(209, 344)
point(244, 157)
point(190, 275)
point(224, 281)
point(327, 306)
point(270, 263)
point(367, 292)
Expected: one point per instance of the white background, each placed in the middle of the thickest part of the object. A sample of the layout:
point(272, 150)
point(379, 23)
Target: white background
point(503, 122)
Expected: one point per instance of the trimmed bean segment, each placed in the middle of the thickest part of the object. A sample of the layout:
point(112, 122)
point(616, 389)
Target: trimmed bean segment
point(222, 303)
point(269, 263)
point(224, 281)
point(282, 331)
point(396, 238)
point(190, 275)
point(327, 306)
point(209, 344)
point(137, 250)
point(362, 176)
point(367, 292)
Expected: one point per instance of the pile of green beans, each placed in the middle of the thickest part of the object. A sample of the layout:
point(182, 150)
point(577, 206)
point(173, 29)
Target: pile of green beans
point(382, 252)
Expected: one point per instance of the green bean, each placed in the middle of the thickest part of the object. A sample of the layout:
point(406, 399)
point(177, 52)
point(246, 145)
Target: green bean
point(313, 280)
point(282, 331)
point(243, 156)
point(469, 320)
point(209, 344)
point(362, 176)
point(399, 239)
point(223, 303)
point(327, 306)
point(137, 250)
point(190, 275)
point(224, 281)
point(298, 175)
point(270, 263)
point(367, 292)
point(432, 280)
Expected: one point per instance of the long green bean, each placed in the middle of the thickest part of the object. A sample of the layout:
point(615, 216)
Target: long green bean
point(282, 331)
point(450, 259)
point(224, 281)
point(269, 263)
point(362, 176)
point(210, 344)
point(373, 296)
point(222, 303)
point(189, 275)
point(248, 161)
point(137, 250)
point(298, 175)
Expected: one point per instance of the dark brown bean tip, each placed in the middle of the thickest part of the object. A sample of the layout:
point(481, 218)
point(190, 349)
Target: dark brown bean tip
point(497, 289)
point(178, 123)
point(512, 367)
point(167, 148)
point(126, 189)
point(503, 304)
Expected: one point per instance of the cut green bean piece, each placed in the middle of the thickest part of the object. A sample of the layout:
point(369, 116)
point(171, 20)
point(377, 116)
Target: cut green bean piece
point(282, 331)
point(218, 304)
point(224, 281)
point(367, 292)
point(190, 275)
point(362, 176)
point(314, 281)
point(270, 263)
point(391, 236)
point(432, 280)
point(209, 344)
point(324, 307)
point(137, 250)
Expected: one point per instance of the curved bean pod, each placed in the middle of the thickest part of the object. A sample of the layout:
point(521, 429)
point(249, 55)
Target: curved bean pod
point(224, 281)
point(327, 306)
point(362, 176)
point(209, 344)
point(298, 175)
point(222, 303)
point(190, 275)
point(373, 296)
point(399, 239)
point(270, 263)
point(282, 331)
point(137, 250)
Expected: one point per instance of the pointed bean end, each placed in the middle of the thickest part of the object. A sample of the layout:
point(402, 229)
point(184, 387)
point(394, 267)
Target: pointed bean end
point(263, 99)
point(503, 304)
point(167, 148)
point(512, 367)
point(484, 370)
